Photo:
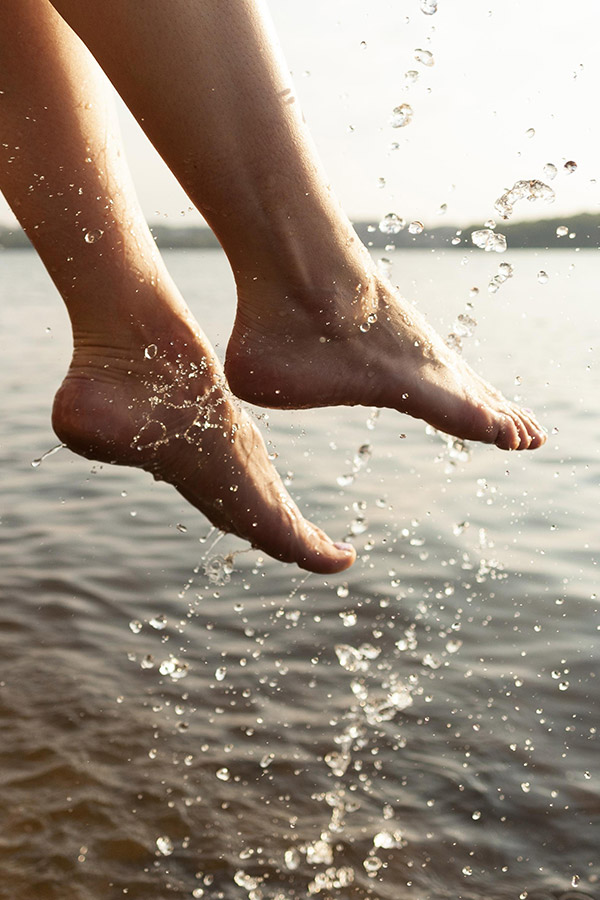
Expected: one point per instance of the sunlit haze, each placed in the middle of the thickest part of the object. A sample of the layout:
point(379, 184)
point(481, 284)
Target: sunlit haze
point(500, 69)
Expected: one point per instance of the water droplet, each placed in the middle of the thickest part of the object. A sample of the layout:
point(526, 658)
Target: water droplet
point(365, 327)
point(530, 132)
point(291, 858)
point(429, 7)
point(223, 774)
point(523, 190)
point(349, 618)
point(372, 864)
point(550, 171)
point(150, 351)
point(489, 240)
point(147, 662)
point(476, 815)
point(570, 166)
point(425, 57)
point(174, 668)
point(416, 227)
point(453, 646)
point(562, 230)
point(220, 673)
point(136, 626)
point(401, 115)
point(542, 277)
point(391, 224)
point(40, 459)
point(525, 787)
point(442, 210)
point(159, 622)
point(563, 686)
point(575, 880)
point(164, 845)
point(93, 235)
point(411, 76)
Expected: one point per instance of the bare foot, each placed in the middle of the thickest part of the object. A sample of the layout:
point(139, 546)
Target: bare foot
point(363, 345)
point(166, 408)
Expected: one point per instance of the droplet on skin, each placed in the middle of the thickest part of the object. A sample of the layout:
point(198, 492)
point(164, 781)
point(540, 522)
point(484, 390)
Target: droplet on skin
point(401, 115)
point(93, 235)
point(425, 57)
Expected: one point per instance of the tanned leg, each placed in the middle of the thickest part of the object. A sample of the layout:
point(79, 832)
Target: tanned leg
point(206, 82)
point(144, 387)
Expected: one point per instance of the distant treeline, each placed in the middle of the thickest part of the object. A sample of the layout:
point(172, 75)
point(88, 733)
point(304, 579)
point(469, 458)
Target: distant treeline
point(582, 231)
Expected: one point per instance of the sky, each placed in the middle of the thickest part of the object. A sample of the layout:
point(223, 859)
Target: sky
point(500, 69)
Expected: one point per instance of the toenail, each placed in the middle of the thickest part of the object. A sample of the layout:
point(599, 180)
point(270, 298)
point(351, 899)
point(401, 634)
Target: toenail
point(346, 548)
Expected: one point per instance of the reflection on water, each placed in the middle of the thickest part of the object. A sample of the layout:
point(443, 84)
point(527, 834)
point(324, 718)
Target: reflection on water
point(182, 717)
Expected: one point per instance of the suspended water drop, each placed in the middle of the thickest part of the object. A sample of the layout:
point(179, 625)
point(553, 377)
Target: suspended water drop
point(349, 618)
point(570, 166)
point(467, 870)
point(525, 787)
point(164, 845)
point(175, 668)
point(150, 351)
point(530, 132)
point(40, 459)
point(416, 227)
point(429, 7)
point(425, 57)
point(223, 774)
point(411, 76)
point(220, 673)
point(523, 190)
point(542, 277)
point(291, 857)
point(401, 115)
point(489, 240)
point(550, 171)
point(136, 626)
point(391, 224)
point(562, 230)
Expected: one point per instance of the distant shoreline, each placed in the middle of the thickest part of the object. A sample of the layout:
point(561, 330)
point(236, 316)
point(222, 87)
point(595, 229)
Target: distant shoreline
point(583, 231)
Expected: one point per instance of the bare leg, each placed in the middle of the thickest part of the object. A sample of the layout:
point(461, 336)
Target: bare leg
point(207, 84)
point(144, 387)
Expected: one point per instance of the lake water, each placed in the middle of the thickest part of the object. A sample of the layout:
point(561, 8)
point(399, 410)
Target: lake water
point(422, 726)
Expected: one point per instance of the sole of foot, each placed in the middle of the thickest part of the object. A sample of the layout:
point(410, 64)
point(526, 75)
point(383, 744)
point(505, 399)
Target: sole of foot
point(174, 416)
